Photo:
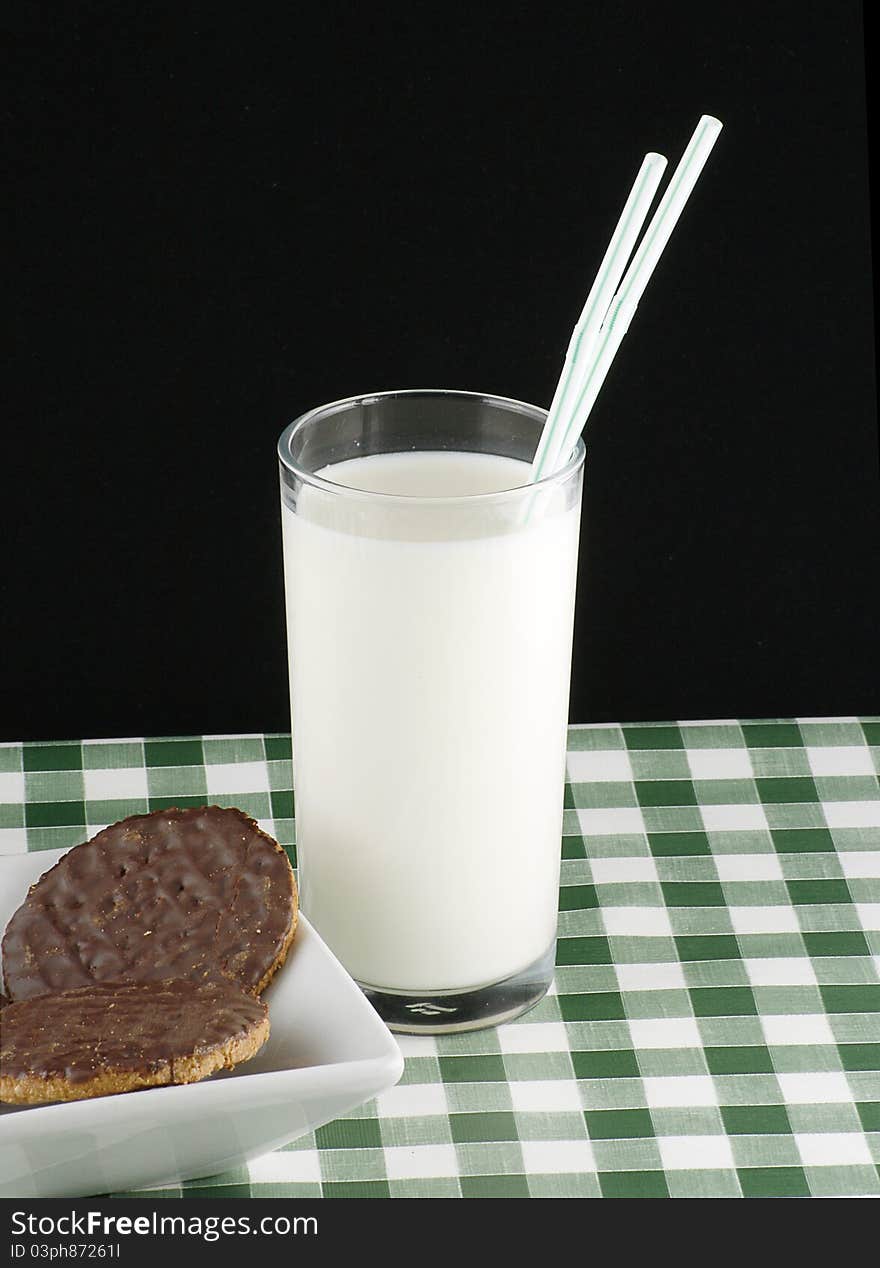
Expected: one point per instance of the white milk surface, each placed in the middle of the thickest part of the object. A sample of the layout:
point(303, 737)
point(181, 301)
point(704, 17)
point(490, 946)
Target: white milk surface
point(430, 664)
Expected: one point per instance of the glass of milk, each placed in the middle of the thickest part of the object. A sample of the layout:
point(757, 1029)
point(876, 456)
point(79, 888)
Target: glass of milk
point(430, 602)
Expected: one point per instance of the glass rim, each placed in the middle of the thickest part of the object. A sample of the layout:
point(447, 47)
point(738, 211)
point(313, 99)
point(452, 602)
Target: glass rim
point(571, 467)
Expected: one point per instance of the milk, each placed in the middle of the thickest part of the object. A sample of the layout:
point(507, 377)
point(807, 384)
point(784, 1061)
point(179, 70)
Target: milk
point(430, 658)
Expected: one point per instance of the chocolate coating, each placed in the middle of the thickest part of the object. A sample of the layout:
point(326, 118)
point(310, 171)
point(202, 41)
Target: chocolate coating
point(200, 894)
point(114, 1030)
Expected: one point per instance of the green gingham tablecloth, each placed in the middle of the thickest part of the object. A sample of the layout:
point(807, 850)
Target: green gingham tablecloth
point(714, 1028)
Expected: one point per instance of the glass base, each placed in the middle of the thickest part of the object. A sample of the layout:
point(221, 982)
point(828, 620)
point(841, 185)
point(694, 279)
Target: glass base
point(450, 1012)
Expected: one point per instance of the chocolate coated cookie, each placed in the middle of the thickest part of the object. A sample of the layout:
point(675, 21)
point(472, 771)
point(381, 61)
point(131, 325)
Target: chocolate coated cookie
point(99, 1040)
point(201, 894)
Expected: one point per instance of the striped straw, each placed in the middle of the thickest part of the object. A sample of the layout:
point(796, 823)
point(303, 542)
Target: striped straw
point(600, 354)
point(578, 357)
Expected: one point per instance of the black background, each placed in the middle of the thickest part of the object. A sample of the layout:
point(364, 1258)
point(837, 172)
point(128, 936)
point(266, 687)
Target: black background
point(217, 223)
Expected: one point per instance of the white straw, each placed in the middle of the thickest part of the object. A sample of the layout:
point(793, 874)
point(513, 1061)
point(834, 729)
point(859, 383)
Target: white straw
point(579, 354)
point(636, 278)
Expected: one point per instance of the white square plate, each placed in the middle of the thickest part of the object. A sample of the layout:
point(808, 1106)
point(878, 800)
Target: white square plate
point(328, 1052)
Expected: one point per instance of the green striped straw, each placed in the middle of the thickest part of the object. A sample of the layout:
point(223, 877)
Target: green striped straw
point(579, 353)
point(595, 359)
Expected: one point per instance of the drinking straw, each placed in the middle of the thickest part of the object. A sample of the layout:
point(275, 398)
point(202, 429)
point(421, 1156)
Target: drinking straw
point(578, 355)
point(636, 278)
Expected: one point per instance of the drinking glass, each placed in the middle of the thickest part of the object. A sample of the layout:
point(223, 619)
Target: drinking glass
point(429, 640)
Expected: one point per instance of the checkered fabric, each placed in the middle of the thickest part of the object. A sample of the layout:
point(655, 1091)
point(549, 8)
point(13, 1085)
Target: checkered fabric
point(714, 1029)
